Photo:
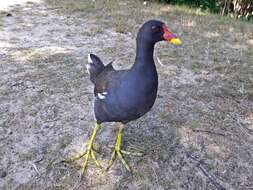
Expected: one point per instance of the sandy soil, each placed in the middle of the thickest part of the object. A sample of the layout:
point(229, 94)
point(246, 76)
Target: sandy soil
point(199, 134)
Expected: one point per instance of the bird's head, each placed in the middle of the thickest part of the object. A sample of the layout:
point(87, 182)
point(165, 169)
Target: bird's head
point(154, 31)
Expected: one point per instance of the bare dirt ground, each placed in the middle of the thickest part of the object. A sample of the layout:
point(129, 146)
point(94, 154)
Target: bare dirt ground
point(199, 134)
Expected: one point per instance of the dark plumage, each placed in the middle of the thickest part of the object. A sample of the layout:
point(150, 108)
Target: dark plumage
point(125, 95)
point(128, 94)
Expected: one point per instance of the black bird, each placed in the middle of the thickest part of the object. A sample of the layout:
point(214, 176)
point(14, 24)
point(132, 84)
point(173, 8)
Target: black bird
point(125, 95)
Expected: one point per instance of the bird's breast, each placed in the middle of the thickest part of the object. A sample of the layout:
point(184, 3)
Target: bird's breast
point(138, 90)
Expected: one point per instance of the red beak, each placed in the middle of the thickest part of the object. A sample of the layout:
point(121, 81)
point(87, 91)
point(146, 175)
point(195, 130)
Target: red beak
point(168, 36)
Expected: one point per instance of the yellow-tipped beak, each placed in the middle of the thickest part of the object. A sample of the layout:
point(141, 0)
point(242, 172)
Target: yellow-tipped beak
point(176, 41)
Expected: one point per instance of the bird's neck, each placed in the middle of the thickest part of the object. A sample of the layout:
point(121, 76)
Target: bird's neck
point(144, 52)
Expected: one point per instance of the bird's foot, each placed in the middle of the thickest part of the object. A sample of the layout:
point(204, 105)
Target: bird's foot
point(89, 153)
point(118, 152)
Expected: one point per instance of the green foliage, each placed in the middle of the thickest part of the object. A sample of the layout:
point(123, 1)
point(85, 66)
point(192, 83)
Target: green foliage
point(203, 4)
point(235, 8)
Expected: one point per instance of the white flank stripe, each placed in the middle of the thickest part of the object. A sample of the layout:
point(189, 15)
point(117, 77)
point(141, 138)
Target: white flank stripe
point(100, 96)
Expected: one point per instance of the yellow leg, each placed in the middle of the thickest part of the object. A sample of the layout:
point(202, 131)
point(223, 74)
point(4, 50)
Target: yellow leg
point(89, 152)
point(118, 152)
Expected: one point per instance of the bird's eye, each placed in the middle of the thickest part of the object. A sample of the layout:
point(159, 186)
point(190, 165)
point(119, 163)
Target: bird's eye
point(155, 29)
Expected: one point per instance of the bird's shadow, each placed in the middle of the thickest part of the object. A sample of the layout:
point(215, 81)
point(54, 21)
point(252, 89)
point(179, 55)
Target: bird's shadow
point(156, 142)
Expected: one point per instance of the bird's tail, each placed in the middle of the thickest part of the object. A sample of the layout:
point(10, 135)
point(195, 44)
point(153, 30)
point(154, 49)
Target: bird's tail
point(94, 67)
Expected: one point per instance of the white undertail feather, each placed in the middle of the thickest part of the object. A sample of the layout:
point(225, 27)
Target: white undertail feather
point(88, 65)
point(94, 67)
point(89, 59)
point(88, 68)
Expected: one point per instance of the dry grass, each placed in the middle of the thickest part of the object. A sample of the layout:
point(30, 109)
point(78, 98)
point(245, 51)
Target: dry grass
point(197, 136)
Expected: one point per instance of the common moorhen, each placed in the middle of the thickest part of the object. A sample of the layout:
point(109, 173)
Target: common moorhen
point(125, 95)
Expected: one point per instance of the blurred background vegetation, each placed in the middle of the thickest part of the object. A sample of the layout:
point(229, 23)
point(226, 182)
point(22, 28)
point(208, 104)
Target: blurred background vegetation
point(234, 8)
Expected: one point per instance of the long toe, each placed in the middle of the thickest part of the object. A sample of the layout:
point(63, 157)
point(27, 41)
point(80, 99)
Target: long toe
point(90, 154)
point(113, 157)
point(77, 157)
point(119, 153)
point(122, 160)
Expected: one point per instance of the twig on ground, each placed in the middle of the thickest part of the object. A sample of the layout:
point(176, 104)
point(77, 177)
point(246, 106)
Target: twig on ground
point(160, 62)
point(4, 138)
point(236, 118)
point(207, 131)
point(242, 125)
point(35, 168)
point(205, 172)
point(210, 177)
point(155, 174)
